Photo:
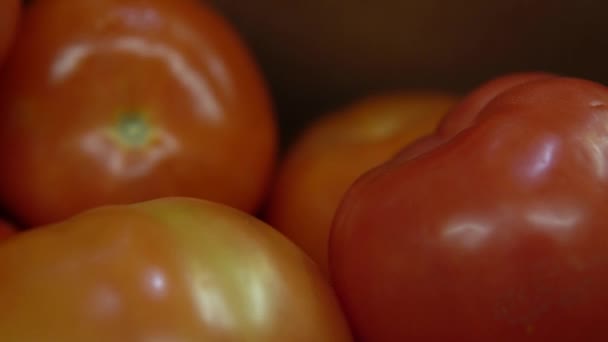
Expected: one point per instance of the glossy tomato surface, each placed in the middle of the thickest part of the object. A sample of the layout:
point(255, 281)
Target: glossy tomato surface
point(497, 234)
point(172, 269)
point(117, 101)
point(465, 112)
point(338, 148)
point(9, 17)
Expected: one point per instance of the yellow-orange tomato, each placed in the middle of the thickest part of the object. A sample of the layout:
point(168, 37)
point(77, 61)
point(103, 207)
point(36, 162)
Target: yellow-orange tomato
point(9, 15)
point(171, 269)
point(336, 150)
point(119, 101)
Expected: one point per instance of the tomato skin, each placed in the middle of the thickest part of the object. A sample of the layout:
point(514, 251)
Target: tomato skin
point(463, 115)
point(175, 269)
point(6, 229)
point(465, 112)
point(335, 150)
point(497, 234)
point(109, 102)
point(9, 17)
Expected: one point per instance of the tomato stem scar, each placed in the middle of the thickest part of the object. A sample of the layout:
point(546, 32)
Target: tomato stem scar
point(133, 129)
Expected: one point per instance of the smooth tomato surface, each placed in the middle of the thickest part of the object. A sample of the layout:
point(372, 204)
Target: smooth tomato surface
point(6, 229)
point(118, 101)
point(172, 269)
point(9, 17)
point(338, 148)
point(497, 234)
point(465, 112)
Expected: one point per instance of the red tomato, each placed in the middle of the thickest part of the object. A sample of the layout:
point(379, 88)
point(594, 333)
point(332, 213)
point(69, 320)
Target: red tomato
point(336, 150)
point(497, 234)
point(6, 229)
point(118, 101)
point(465, 112)
point(9, 15)
point(172, 269)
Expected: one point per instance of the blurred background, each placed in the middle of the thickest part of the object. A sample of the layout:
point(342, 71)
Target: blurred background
point(320, 54)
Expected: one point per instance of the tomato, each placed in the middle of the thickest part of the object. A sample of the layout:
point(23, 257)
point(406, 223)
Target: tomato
point(338, 148)
point(6, 229)
point(465, 112)
point(496, 234)
point(119, 101)
point(171, 269)
point(9, 15)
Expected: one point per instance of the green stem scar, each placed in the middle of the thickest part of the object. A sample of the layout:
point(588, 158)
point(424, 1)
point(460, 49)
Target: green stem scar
point(133, 129)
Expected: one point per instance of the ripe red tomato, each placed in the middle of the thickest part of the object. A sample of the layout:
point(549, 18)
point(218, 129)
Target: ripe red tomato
point(465, 112)
point(497, 234)
point(9, 16)
point(118, 101)
point(6, 229)
point(338, 148)
point(172, 269)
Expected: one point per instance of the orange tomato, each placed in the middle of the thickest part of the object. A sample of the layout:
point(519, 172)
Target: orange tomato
point(335, 150)
point(119, 101)
point(171, 269)
point(9, 15)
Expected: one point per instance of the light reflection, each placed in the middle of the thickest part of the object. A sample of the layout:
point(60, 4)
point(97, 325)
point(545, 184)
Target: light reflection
point(106, 301)
point(98, 145)
point(595, 140)
point(597, 148)
point(467, 233)
point(240, 296)
point(596, 103)
point(140, 18)
point(211, 302)
point(217, 68)
point(68, 60)
point(557, 220)
point(541, 159)
point(259, 290)
point(155, 282)
point(201, 93)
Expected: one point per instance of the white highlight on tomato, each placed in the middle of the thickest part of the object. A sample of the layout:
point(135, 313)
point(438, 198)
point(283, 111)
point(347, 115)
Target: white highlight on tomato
point(71, 58)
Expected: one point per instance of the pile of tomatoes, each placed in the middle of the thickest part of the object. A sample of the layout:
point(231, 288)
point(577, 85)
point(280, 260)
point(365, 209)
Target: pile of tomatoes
point(144, 197)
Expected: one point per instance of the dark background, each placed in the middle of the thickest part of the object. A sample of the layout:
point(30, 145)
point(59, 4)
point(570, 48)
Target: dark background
point(319, 54)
